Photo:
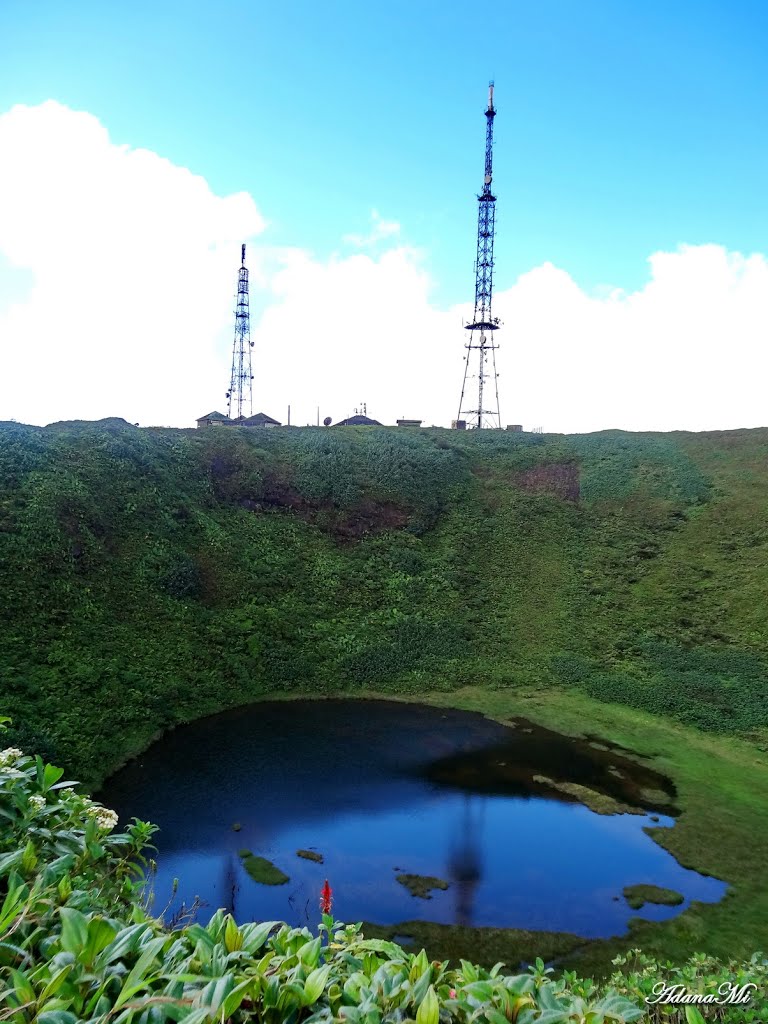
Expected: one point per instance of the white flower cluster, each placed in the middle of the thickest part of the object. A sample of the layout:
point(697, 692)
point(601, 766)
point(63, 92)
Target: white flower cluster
point(105, 818)
point(37, 801)
point(9, 755)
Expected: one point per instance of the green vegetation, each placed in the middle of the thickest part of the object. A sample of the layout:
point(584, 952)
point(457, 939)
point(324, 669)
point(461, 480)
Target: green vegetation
point(609, 585)
point(154, 576)
point(262, 870)
point(421, 885)
point(638, 895)
point(600, 803)
point(310, 855)
point(77, 945)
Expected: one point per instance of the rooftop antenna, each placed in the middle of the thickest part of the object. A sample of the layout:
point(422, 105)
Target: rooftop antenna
point(240, 394)
point(481, 336)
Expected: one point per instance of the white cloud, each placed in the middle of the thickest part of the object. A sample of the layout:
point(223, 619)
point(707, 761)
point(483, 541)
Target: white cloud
point(380, 230)
point(133, 265)
point(132, 261)
point(687, 351)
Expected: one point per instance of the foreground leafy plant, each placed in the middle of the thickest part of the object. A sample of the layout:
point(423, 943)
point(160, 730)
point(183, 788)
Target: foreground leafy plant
point(76, 944)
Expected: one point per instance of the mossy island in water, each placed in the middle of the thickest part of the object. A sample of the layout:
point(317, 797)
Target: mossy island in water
point(421, 885)
point(262, 870)
point(310, 855)
point(638, 895)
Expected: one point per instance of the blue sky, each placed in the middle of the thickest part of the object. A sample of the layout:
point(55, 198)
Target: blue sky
point(623, 129)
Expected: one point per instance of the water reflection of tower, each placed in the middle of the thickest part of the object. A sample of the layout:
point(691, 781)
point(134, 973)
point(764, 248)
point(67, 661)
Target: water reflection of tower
point(465, 864)
point(229, 885)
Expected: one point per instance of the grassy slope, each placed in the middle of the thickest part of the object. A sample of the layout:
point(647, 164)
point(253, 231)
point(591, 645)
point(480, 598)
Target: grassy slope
point(150, 577)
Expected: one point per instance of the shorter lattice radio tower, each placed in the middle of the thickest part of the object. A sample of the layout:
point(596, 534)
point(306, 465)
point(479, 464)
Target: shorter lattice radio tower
point(485, 413)
point(240, 394)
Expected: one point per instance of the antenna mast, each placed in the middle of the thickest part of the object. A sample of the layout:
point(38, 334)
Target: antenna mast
point(481, 337)
point(240, 394)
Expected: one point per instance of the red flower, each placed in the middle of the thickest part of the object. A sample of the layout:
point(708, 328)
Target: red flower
point(326, 898)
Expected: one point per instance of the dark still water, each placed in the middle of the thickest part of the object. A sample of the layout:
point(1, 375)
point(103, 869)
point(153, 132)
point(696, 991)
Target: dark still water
point(382, 788)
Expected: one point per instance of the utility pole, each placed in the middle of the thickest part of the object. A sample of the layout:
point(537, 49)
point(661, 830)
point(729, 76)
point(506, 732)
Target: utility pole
point(240, 394)
point(481, 337)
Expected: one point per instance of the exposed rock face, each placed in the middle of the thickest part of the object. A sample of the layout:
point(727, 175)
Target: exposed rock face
point(560, 479)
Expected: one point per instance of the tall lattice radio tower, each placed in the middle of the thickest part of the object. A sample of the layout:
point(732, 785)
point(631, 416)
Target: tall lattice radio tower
point(240, 394)
point(483, 411)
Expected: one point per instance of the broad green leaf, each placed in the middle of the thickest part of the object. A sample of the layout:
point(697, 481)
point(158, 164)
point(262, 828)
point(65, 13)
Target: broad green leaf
point(100, 934)
point(58, 868)
point(559, 1016)
point(255, 935)
point(10, 860)
point(494, 1016)
point(25, 991)
point(392, 950)
point(480, 990)
point(309, 953)
point(265, 962)
point(271, 993)
point(236, 996)
point(196, 933)
point(290, 997)
point(693, 1015)
point(51, 774)
point(54, 984)
point(29, 857)
point(74, 930)
point(547, 998)
point(17, 893)
point(351, 1014)
point(315, 984)
point(468, 970)
point(429, 1008)
point(198, 1016)
point(136, 979)
point(216, 925)
point(57, 1017)
point(519, 1003)
point(215, 992)
point(91, 1007)
point(126, 941)
point(233, 938)
point(420, 986)
point(419, 965)
point(618, 1006)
